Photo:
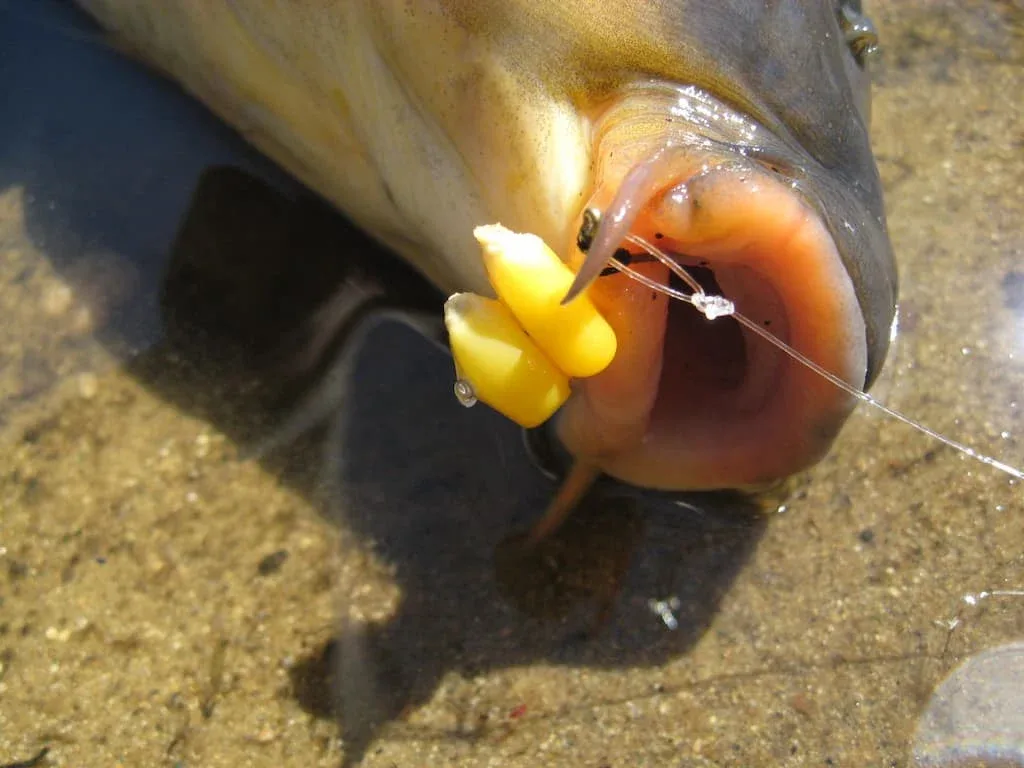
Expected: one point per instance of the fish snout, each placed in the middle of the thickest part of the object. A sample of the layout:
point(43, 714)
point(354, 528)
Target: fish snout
point(692, 403)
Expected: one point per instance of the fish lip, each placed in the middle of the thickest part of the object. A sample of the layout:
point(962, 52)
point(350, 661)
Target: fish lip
point(549, 457)
point(840, 183)
point(844, 205)
point(853, 212)
point(813, 307)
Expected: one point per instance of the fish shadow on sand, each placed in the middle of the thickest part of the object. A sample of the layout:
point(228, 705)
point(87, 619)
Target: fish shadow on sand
point(441, 493)
point(223, 274)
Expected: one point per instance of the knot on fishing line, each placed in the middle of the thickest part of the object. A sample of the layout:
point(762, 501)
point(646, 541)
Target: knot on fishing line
point(712, 306)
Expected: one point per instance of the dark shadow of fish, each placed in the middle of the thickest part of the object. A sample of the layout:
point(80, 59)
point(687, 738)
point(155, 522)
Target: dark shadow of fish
point(442, 493)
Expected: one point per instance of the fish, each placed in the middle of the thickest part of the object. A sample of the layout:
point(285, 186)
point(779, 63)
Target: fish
point(732, 134)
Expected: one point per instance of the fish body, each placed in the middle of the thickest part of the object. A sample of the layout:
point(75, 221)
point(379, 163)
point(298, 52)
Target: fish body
point(732, 132)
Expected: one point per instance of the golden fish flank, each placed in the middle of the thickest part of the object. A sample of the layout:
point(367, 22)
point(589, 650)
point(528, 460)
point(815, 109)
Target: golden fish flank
point(732, 133)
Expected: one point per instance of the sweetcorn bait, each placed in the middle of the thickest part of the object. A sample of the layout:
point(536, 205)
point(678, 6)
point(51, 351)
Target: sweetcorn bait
point(501, 364)
point(532, 281)
point(517, 353)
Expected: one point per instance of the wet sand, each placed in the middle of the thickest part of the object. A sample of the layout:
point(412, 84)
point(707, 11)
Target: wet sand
point(166, 601)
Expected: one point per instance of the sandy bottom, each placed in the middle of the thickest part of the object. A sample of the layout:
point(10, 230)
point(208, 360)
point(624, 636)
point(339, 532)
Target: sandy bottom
point(166, 601)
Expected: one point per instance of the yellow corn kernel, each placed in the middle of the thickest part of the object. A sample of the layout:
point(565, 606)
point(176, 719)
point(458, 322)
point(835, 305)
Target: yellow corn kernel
point(532, 281)
point(506, 370)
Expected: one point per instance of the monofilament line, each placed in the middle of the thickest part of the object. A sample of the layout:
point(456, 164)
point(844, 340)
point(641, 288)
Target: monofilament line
point(713, 306)
point(866, 398)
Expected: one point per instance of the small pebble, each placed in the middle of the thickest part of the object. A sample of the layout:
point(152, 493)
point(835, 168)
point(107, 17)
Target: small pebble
point(272, 563)
point(88, 385)
point(56, 299)
point(265, 736)
point(83, 321)
point(59, 635)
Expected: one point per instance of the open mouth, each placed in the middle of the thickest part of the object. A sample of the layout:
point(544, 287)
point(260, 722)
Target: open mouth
point(691, 403)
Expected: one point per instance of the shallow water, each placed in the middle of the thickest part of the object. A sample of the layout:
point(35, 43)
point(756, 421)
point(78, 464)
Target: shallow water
point(164, 600)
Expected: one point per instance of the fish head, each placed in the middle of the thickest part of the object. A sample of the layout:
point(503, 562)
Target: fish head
point(733, 136)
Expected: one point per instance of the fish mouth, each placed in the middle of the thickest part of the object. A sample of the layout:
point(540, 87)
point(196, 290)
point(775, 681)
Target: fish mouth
point(696, 404)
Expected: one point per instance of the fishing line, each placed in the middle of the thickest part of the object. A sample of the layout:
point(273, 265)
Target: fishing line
point(713, 307)
point(675, 267)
